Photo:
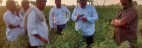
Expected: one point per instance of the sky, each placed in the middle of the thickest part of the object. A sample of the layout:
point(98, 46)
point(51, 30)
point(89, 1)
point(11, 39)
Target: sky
point(73, 2)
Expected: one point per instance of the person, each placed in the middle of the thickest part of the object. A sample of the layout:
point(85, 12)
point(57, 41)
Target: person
point(35, 23)
point(126, 23)
point(25, 7)
point(12, 21)
point(85, 17)
point(59, 16)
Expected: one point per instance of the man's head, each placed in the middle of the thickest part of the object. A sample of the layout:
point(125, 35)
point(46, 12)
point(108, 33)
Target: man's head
point(82, 3)
point(125, 2)
point(58, 3)
point(25, 4)
point(41, 4)
point(11, 5)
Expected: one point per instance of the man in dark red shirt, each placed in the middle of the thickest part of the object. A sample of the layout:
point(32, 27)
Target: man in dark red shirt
point(125, 23)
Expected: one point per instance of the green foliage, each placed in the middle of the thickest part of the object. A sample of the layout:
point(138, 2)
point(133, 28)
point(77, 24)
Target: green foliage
point(103, 37)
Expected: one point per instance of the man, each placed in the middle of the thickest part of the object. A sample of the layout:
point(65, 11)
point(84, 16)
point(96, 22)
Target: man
point(125, 23)
point(59, 16)
point(84, 17)
point(12, 21)
point(36, 25)
point(25, 7)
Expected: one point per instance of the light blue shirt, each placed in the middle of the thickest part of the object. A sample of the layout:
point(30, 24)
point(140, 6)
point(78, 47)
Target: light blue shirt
point(89, 12)
point(59, 16)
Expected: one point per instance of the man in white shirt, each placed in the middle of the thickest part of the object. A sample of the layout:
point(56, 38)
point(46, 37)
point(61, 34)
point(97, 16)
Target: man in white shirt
point(84, 17)
point(36, 25)
point(25, 7)
point(12, 21)
point(58, 16)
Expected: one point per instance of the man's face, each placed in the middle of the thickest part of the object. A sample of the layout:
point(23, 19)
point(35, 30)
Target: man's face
point(58, 3)
point(83, 4)
point(42, 5)
point(25, 5)
point(12, 6)
point(123, 2)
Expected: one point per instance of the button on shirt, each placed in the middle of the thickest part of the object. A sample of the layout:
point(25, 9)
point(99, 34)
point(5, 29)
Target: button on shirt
point(59, 16)
point(11, 19)
point(88, 12)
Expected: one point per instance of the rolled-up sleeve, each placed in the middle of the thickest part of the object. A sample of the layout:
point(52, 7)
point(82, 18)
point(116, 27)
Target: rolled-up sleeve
point(94, 16)
point(31, 25)
point(12, 21)
point(74, 15)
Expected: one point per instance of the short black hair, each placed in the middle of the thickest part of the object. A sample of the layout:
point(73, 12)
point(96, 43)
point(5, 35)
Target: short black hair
point(41, 1)
point(9, 2)
point(82, 0)
point(130, 0)
point(24, 1)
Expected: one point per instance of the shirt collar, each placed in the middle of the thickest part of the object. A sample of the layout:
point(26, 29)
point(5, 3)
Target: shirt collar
point(84, 7)
point(10, 12)
point(58, 8)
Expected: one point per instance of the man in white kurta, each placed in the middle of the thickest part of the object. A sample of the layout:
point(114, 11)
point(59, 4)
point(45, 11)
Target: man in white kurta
point(59, 16)
point(25, 7)
point(12, 21)
point(85, 17)
point(36, 25)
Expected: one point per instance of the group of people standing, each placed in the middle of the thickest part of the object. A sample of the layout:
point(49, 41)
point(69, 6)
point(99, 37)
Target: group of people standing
point(31, 21)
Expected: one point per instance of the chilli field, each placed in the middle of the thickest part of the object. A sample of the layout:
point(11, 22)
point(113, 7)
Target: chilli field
point(103, 37)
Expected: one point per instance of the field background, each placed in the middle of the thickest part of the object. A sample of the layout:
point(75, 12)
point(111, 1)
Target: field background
point(103, 37)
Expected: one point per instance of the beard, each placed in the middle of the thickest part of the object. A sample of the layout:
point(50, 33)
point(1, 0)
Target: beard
point(123, 4)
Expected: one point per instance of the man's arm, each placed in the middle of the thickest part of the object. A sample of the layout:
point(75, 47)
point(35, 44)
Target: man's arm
point(94, 15)
point(129, 17)
point(68, 13)
point(41, 38)
point(12, 26)
point(75, 16)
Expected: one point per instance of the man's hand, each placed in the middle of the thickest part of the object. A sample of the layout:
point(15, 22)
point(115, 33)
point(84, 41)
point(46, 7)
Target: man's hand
point(11, 26)
point(41, 38)
point(115, 22)
point(45, 41)
point(78, 16)
point(84, 19)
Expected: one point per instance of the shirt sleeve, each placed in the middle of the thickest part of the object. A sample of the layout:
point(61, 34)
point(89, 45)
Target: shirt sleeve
point(94, 16)
point(12, 20)
point(130, 16)
point(51, 14)
point(31, 22)
point(74, 15)
point(22, 20)
point(68, 14)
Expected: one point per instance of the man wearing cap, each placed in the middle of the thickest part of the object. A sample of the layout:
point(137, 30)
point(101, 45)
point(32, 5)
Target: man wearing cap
point(12, 21)
point(35, 23)
point(126, 23)
point(85, 17)
point(59, 16)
